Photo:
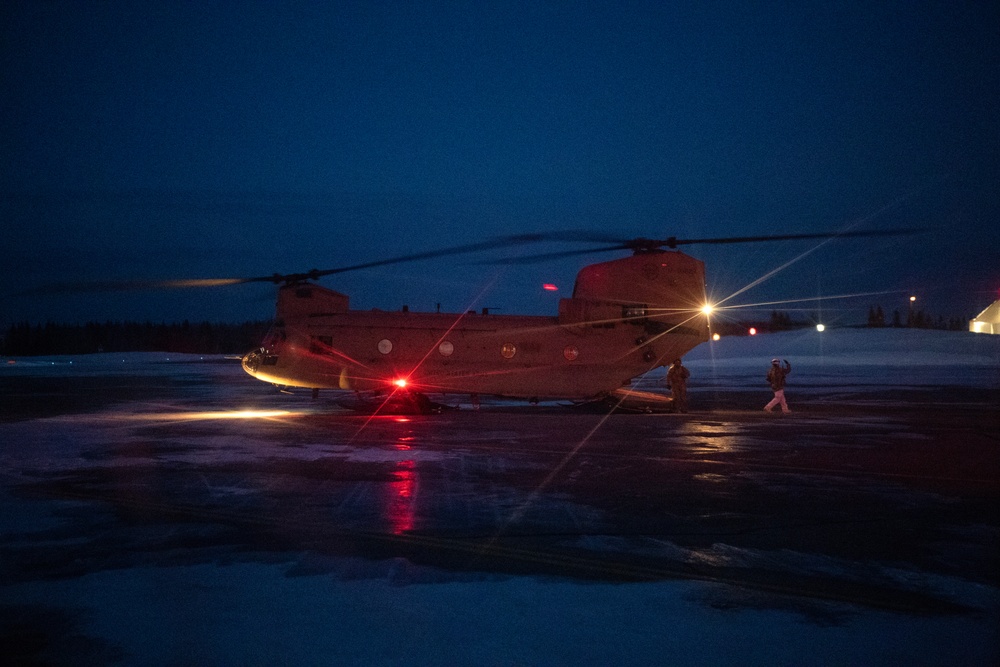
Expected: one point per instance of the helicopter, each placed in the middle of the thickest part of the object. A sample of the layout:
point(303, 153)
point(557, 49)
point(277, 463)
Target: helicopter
point(625, 317)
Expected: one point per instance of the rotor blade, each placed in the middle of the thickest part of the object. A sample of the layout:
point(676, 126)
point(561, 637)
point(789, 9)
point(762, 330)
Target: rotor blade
point(276, 278)
point(544, 257)
point(642, 243)
point(493, 244)
point(648, 245)
point(673, 242)
point(83, 287)
point(577, 236)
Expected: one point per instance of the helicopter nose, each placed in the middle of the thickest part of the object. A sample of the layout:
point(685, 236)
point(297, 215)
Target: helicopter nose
point(251, 361)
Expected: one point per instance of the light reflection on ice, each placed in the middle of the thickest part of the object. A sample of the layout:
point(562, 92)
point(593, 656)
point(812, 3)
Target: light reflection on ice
point(723, 555)
point(400, 497)
point(181, 416)
point(706, 437)
point(377, 454)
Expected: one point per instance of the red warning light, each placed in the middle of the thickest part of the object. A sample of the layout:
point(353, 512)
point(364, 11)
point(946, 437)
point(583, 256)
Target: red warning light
point(401, 383)
point(753, 331)
point(549, 287)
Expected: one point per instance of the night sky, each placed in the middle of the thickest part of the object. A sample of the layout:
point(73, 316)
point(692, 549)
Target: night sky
point(146, 140)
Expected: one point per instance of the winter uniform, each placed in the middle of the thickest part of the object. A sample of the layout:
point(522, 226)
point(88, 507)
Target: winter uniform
point(776, 378)
point(677, 384)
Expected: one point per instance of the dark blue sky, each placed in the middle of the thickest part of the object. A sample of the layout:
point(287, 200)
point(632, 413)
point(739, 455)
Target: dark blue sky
point(155, 140)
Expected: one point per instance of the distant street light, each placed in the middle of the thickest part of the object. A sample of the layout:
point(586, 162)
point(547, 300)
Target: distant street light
point(820, 327)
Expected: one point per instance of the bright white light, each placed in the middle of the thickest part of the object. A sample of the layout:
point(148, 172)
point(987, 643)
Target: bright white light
point(753, 331)
point(707, 309)
point(401, 383)
point(820, 327)
point(716, 336)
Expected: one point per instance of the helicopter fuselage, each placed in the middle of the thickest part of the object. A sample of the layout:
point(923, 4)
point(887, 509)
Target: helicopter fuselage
point(625, 318)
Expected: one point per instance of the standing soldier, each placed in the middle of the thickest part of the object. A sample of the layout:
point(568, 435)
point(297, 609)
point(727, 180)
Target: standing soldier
point(677, 378)
point(776, 378)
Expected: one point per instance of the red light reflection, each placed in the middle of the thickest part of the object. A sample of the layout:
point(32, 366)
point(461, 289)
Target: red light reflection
point(399, 508)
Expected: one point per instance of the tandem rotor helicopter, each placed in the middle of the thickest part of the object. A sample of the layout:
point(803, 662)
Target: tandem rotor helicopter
point(625, 317)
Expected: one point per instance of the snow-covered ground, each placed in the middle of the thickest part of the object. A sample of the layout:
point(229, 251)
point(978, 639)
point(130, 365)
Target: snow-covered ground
point(881, 357)
point(859, 347)
point(316, 608)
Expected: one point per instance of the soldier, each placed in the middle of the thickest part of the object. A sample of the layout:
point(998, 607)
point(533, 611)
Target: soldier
point(677, 384)
point(776, 378)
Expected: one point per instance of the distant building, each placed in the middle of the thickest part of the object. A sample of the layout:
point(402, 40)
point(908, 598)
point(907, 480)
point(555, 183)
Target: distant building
point(987, 321)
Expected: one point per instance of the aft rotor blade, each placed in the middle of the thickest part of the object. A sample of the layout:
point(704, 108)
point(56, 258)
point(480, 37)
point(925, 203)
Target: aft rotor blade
point(672, 242)
point(649, 245)
point(493, 244)
point(546, 256)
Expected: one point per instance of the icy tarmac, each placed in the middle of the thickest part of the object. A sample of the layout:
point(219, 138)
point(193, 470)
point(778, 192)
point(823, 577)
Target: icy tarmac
point(165, 510)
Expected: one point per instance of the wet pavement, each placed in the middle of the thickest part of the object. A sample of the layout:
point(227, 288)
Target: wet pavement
point(872, 499)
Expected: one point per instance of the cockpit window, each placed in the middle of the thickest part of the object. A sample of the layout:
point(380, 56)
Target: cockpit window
point(275, 336)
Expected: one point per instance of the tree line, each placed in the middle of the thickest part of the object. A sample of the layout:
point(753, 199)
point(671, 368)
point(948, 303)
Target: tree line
point(25, 339)
point(783, 321)
point(915, 319)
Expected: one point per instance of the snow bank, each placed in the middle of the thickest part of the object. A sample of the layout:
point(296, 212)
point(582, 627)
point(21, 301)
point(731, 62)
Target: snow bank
point(109, 363)
point(886, 347)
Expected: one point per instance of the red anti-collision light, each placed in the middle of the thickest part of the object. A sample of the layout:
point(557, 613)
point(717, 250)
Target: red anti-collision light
point(549, 287)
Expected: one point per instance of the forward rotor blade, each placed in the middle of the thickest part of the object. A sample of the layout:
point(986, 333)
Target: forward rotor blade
point(84, 287)
point(276, 278)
